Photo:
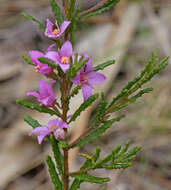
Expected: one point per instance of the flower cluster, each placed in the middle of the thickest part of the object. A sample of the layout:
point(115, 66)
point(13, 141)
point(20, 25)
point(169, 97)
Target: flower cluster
point(46, 96)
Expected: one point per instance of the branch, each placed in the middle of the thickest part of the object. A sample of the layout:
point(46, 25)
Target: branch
point(95, 7)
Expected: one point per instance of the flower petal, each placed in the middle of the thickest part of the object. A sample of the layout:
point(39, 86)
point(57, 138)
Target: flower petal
point(34, 55)
point(40, 138)
point(43, 88)
point(95, 78)
point(66, 49)
point(45, 69)
point(40, 130)
point(76, 80)
point(87, 91)
point(48, 101)
point(53, 55)
point(88, 64)
point(35, 94)
point(64, 67)
point(53, 122)
point(62, 124)
point(50, 47)
point(59, 134)
point(49, 28)
point(64, 26)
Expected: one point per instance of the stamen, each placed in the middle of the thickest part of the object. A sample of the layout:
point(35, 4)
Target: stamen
point(83, 79)
point(52, 127)
point(56, 31)
point(37, 68)
point(65, 60)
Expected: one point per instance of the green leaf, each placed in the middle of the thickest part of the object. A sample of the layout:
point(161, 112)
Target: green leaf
point(56, 11)
point(119, 158)
point(152, 67)
point(117, 166)
point(97, 132)
point(32, 122)
point(54, 176)
point(48, 62)
point(100, 113)
point(104, 188)
point(74, 23)
point(29, 17)
point(130, 100)
point(97, 154)
point(106, 6)
point(91, 179)
point(107, 158)
point(36, 107)
point(71, 9)
point(76, 66)
point(103, 65)
point(57, 155)
point(83, 106)
point(63, 144)
point(74, 91)
point(27, 59)
point(76, 184)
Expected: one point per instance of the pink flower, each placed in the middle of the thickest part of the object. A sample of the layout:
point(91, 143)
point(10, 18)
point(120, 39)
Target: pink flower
point(87, 77)
point(53, 31)
point(40, 67)
point(62, 57)
point(54, 126)
point(46, 95)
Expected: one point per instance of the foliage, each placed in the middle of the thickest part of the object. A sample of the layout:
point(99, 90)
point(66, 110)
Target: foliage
point(120, 157)
point(36, 107)
point(54, 175)
point(103, 65)
point(32, 122)
point(83, 106)
point(57, 12)
point(106, 5)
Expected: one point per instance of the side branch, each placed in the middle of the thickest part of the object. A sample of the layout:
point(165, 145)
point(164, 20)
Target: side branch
point(79, 138)
point(95, 7)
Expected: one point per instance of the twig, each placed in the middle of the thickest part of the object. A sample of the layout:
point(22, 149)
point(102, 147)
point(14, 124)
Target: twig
point(80, 137)
point(80, 171)
point(97, 6)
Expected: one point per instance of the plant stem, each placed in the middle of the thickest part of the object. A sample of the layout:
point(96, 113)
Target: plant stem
point(65, 109)
point(64, 117)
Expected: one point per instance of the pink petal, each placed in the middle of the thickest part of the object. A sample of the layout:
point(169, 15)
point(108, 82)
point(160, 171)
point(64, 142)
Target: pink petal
point(95, 78)
point(40, 138)
point(50, 47)
point(88, 64)
point(62, 124)
point(53, 55)
point(53, 122)
point(45, 69)
point(35, 94)
point(64, 67)
point(49, 28)
point(76, 80)
point(87, 91)
point(48, 101)
point(40, 130)
point(43, 88)
point(64, 26)
point(59, 134)
point(66, 49)
point(34, 55)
